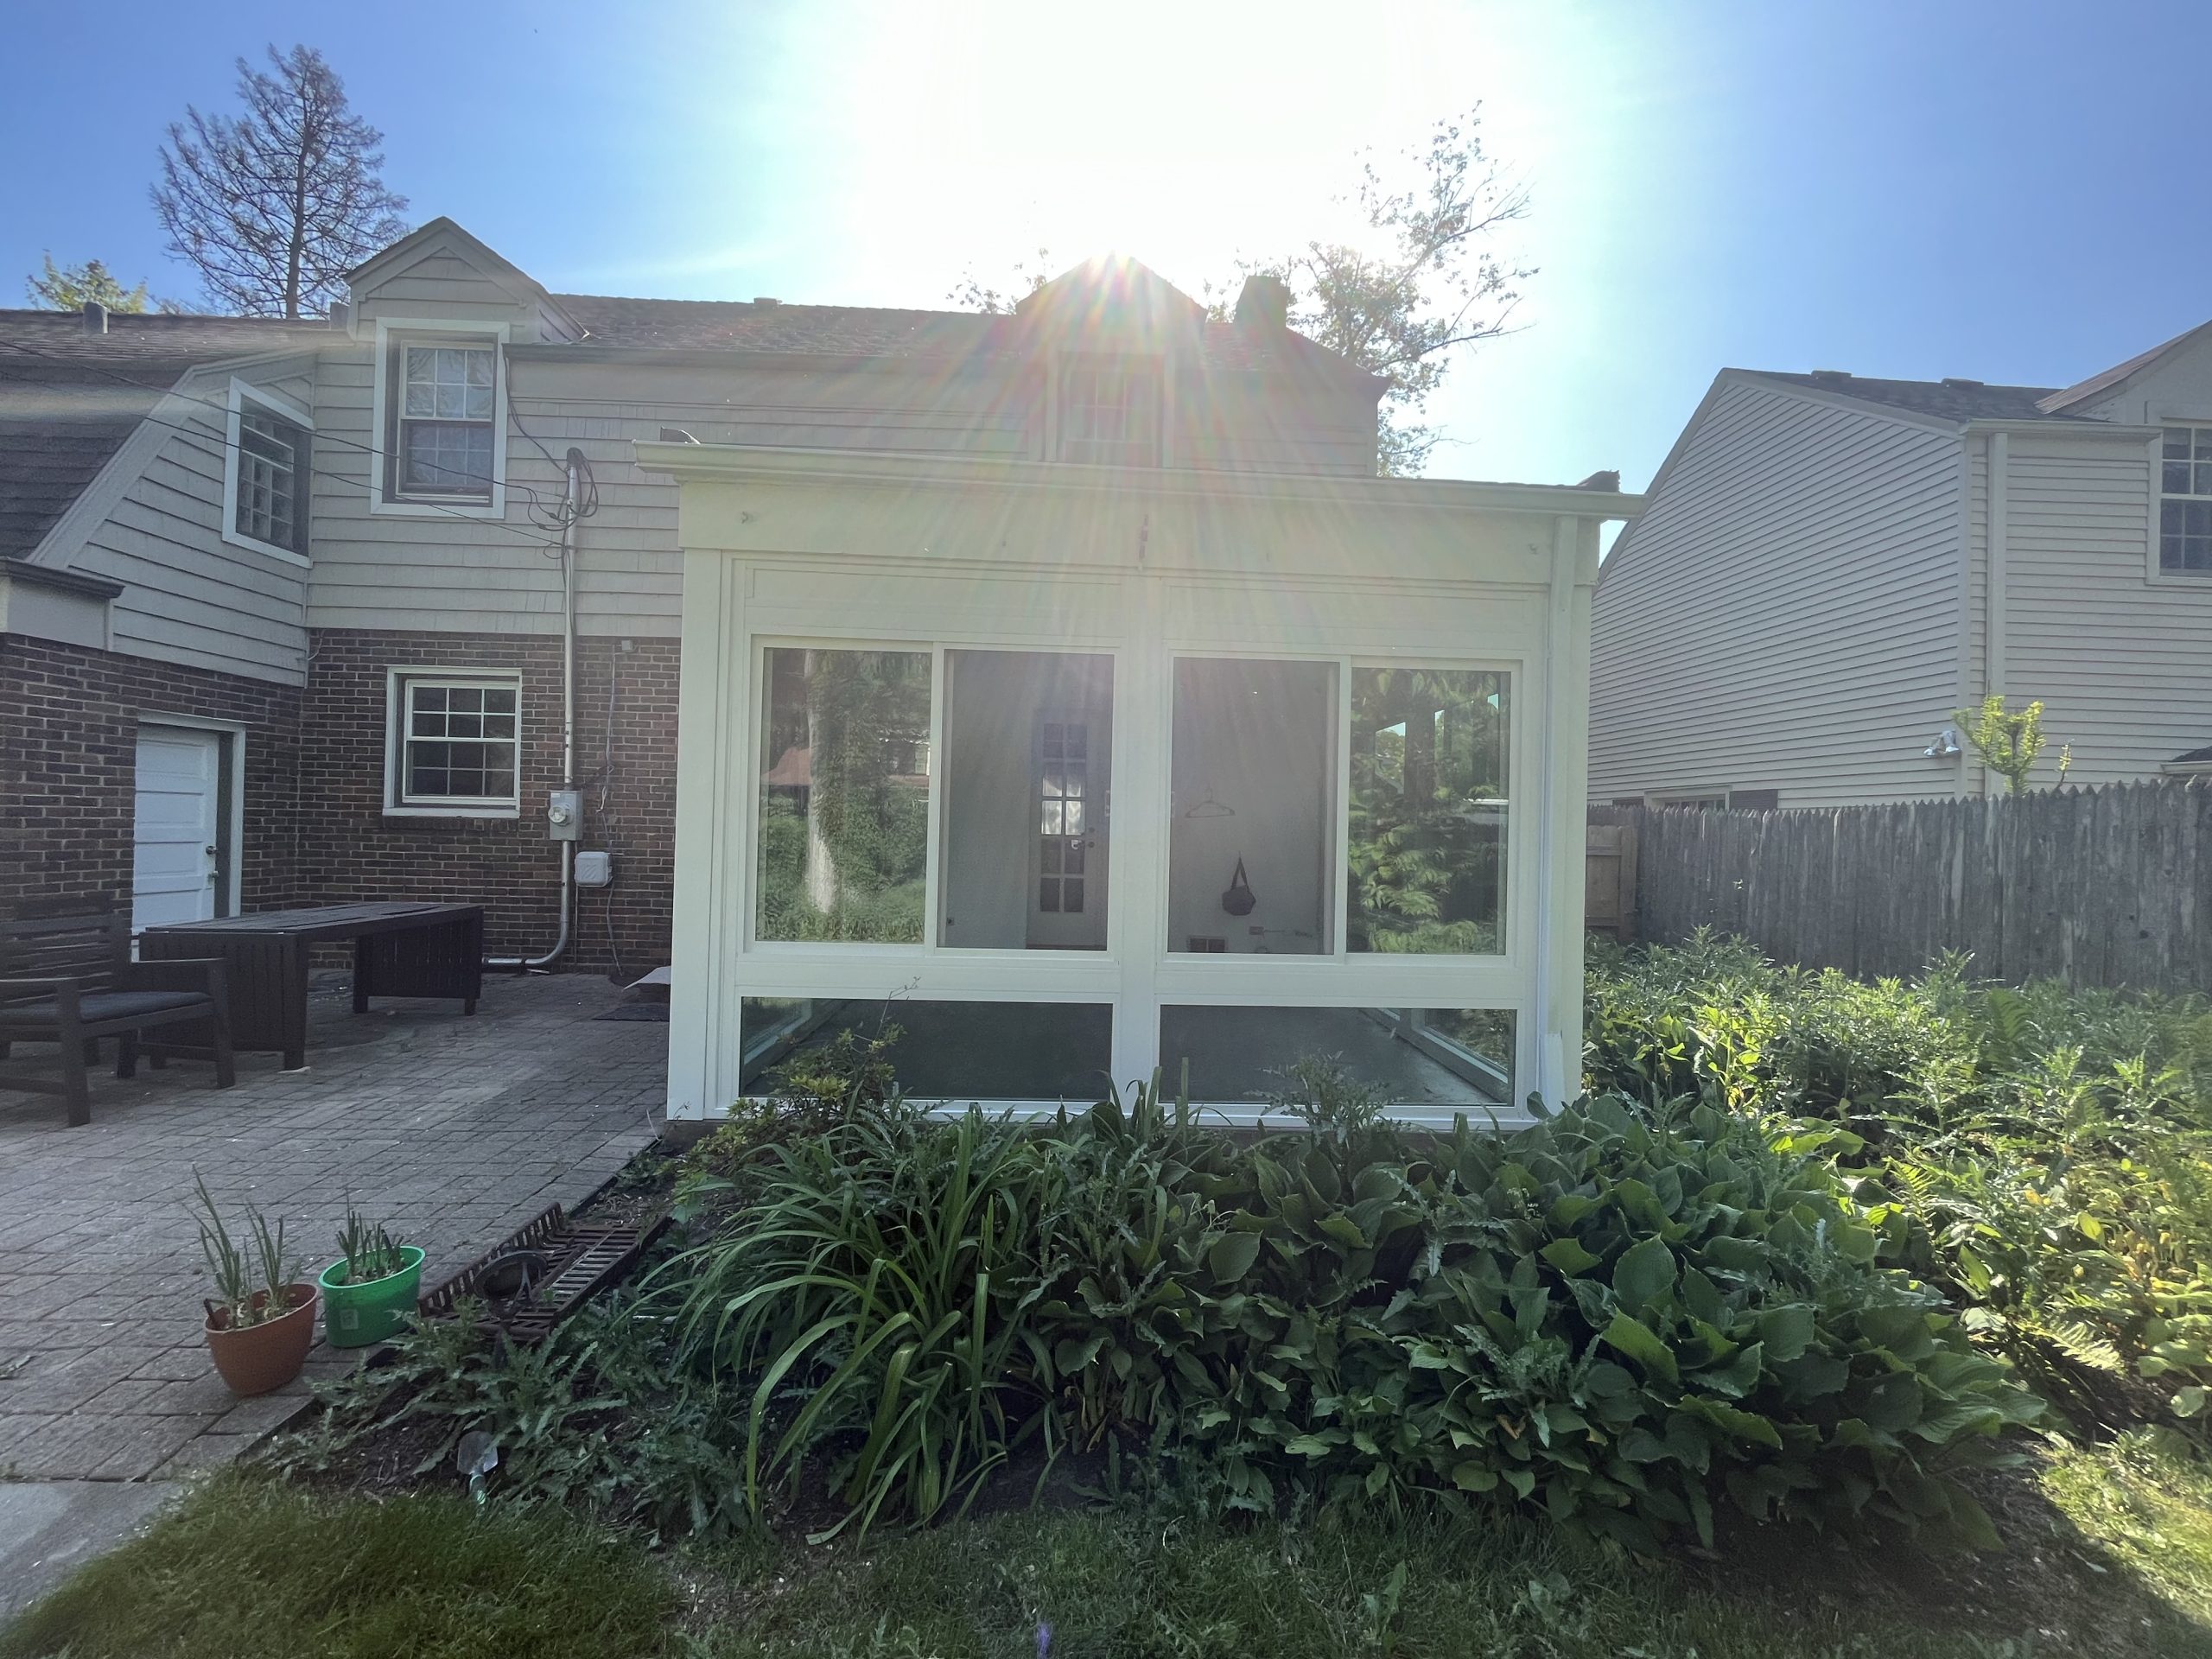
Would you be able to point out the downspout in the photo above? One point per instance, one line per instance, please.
(572, 503)
(1993, 647)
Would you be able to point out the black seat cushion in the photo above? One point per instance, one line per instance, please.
(96, 1006)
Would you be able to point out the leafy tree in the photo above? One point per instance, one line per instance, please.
(2008, 744)
(71, 287)
(1429, 284)
(274, 206)
(1426, 282)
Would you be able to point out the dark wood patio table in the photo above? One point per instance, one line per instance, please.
(401, 948)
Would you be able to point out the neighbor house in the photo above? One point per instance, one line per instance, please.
(1061, 675)
(1831, 567)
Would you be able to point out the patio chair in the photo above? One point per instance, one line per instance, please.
(66, 977)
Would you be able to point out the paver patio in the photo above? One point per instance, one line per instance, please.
(454, 1130)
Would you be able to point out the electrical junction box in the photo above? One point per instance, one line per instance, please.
(595, 870)
(564, 814)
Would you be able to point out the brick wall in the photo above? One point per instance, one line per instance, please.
(69, 764)
(351, 850)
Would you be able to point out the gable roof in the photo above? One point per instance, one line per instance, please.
(1949, 400)
(70, 399)
(2120, 374)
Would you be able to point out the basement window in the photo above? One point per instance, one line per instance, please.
(455, 743)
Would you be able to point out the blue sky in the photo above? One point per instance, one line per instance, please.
(2011, 192)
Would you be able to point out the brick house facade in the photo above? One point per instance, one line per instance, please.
(68, 764)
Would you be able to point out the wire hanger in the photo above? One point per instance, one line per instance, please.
(1209, 807)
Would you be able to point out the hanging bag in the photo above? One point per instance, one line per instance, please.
(1238, 899)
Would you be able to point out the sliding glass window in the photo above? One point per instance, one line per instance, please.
(844, 795)
(1425, 843)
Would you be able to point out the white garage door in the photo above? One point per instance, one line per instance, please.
(180, 794)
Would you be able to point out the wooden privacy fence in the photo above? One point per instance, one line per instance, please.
(2109, 887)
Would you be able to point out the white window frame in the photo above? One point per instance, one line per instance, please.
(1061, 364)
(384, 497)
(398, 680)
(2160, 570)
(241, 393)
(1138, 947)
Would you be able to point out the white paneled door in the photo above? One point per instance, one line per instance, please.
(176, 862)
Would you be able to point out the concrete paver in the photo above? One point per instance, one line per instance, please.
(455, 1129)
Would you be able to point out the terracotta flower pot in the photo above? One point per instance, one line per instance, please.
(265, 1355)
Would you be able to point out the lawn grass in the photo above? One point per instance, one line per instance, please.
(2111, 1556)
(249, 1566)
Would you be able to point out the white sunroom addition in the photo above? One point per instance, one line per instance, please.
(1079, 773)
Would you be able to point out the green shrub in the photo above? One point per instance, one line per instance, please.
(1618, 1317)
(2051, 1149)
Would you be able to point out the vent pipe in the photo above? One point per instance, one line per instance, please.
(95, 317)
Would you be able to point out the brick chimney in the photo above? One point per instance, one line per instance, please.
(95, 317)
(1265, 302)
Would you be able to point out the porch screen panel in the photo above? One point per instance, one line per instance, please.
(844, 829)
(954, 1052)
(1425, 842)
(1429, 1062)
(1250, 844)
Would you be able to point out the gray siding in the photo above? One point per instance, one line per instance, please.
(1786, 614)
(2122, 662)
(189, 596)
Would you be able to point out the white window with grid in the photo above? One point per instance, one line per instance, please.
(446, 406)
(456, 742)
(1109, 411)
(266, 473)
(2185, 501)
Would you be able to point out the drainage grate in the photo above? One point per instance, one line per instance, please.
(580, 1262)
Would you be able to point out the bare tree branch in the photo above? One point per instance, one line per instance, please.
(273, 206)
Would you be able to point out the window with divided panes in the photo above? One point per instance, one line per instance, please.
(459, 744)
(2185, 500)
(1110, 411)
(1062, 791)
(272, 474)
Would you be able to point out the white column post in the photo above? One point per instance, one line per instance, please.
(1138, 886)
(1562, 811)
(705, 747)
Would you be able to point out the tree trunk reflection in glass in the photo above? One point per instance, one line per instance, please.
(1426, 846)
(844, 795)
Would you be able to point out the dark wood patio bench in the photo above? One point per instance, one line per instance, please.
(66, 977)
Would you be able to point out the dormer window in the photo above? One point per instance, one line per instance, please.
(1110, 410)
(441, 411)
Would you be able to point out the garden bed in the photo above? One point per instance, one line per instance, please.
(1664, 1322)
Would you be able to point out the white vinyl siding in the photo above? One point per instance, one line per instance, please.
(2123, 664)
(1785, 616)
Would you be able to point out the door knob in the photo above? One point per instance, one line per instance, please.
(210, 851)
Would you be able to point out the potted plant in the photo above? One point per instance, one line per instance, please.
(368, 1293)
(261, 1318)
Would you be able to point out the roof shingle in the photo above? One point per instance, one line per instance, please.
(1950, 400)
(69, 399)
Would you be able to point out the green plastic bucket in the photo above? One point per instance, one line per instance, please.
(354, 1316)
